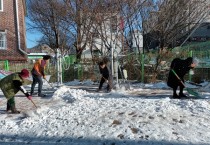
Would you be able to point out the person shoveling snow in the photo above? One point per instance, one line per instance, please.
(178, 70)
(11, 84)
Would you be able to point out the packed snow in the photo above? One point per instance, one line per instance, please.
(132, 114)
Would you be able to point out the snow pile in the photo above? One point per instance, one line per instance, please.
(69, 95)
(87, 82)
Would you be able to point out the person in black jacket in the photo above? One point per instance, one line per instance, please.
(181, 67)
(105, 76)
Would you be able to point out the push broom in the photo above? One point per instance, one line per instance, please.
(190, 91)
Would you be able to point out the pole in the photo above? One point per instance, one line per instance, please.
(142, 56)
(190, 76)
(142, 68)
(116, 71)
(59, 67)
(61, 70)
(112, 59)
(6, 65)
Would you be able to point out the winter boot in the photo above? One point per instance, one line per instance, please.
(181, 95)
(14, 110)
(175, 96)
(98, 90)
(42, 95)
(33, 94)
(108, 90)
(8, 107)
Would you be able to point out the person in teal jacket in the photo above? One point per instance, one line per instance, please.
(12, 84)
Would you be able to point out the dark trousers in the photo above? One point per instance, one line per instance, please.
(11, 103)
(102, 82)
(37, 79)
(181, 90)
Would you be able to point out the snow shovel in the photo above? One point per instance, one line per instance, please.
(190, 91)
(49, 84)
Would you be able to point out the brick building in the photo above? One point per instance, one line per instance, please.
(12, 30)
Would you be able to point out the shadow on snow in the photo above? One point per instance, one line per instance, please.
(20, 140)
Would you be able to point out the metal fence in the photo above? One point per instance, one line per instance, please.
(139, 67)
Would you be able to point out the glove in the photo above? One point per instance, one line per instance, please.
(29, 97)
(44, 77)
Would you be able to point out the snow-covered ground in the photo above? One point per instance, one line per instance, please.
(139, 114)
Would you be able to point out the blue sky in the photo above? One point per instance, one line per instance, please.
(32, 38)
(32, 35)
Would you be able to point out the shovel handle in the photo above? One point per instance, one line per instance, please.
(33, 103)
(107, 80)
(178, 77)
(48, 83)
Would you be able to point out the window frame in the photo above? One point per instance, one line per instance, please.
(1, 5)
(3, 40)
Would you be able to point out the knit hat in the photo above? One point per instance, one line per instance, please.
(46, 57)
(191, 60)
(24, 73)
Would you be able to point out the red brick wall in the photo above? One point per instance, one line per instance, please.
(8, 21)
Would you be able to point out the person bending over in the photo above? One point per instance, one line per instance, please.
(181, 67)
(12, 84)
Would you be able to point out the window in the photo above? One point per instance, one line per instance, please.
(2, 40)
(1, 5)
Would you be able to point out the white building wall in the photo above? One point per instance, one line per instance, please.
(136, 39)
(109, 38)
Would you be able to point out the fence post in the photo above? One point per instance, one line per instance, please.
(142, 68)
(6, 65)
(64, 61)
(191, 55)
(80, 71)
(73, 60)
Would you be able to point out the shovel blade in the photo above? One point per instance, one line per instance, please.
(193, 92)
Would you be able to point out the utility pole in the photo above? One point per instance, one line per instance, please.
(59, 61)
(59, 67)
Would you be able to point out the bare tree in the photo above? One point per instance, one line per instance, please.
(172, 21)
(48, 17)
(81, 13)
(98, 24)
(164, 22)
